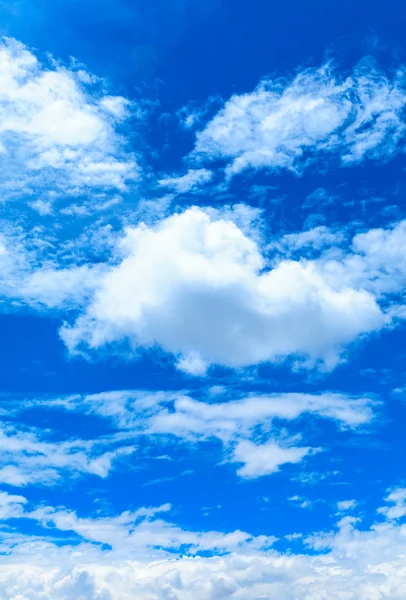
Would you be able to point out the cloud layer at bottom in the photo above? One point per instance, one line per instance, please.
(361, 565)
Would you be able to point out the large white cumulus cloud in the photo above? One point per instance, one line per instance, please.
(200, 289)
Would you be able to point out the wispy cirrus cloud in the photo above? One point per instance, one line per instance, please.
(291, 123)
(35, 456)
(191, 181)
(253, 430)
(131, 532)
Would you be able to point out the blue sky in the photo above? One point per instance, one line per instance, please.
(202, 274)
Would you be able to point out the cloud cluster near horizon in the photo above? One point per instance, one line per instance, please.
(239, 564)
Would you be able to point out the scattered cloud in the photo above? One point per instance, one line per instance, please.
(346, 505)
(265, 459)
(314, 239)
(301, 502)
(252, 430)
(193, 180)
(58, 132)
(132, 532)
(285, 124)
(31, 456)
(397, 505)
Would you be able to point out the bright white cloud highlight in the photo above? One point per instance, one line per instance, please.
(284, 124)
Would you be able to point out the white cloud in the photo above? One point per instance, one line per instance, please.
(375, 263)
(57, 129)
(54, 287)
(351, 562)
(198, 286)
(39, 271)
(265, 459)
(132, 532)
(249, 428)
(345, 505)
(301, 502)
(11, 506)
(194, 179)
(199, 289)
(191, 115)
(193, 364)
(29, 457)
(42, 207)
(373, 260)
(116, 105)
(286, 123)
(226, 420)
(209, 294)
(316, 238)
(378, 261)
(397, 498)
(248, 219)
